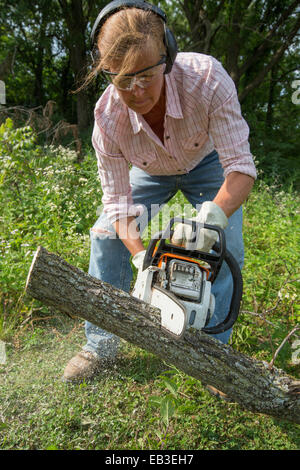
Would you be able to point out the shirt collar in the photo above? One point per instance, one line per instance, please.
(136, 121)
(173, 106)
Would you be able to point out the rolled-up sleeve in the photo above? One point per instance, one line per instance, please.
(227, 127)
(114, 176)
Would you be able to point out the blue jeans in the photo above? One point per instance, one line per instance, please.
(199, 185)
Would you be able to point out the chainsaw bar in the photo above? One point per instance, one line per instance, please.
(173, 312)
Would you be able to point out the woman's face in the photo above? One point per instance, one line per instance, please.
(142, 100)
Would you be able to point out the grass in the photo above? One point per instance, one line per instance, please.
(117, 409)
(140, 402)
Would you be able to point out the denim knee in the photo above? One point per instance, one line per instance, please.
(109, 258)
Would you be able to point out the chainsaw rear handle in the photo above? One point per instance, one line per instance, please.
(236, 297)
(215, 260)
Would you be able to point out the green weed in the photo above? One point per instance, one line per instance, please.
(48, 199)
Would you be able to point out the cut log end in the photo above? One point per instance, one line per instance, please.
(29, 276)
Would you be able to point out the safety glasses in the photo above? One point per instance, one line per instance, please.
(143, 78)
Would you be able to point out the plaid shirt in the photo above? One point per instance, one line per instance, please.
(202, 114)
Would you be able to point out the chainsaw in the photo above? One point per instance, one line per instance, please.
(178, 280)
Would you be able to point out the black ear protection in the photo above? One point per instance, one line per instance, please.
(113, 7)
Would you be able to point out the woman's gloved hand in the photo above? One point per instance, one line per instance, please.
(138, 259)
(210, 213)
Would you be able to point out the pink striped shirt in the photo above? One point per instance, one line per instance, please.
(202, 114)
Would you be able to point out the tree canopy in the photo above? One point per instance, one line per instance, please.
(45, 49)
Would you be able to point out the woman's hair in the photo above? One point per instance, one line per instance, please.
(124, 38)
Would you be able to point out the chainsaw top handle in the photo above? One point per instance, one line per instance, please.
(159, 246)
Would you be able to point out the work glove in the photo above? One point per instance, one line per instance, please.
(210, 213)
(138, 260)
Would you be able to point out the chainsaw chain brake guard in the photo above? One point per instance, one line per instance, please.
(159, 246)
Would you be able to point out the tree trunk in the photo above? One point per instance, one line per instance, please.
(76, 22)
(7, 65)
(271, 100)
(245, 380)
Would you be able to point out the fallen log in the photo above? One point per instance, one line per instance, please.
(247, 381)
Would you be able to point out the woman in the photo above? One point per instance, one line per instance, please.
(176, 121)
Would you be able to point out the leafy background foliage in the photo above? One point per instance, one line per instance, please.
(141, 402)
(45, 48)
(50, 195)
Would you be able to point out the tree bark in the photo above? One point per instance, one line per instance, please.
(247, 381)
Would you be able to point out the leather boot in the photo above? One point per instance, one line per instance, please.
(82, 366)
